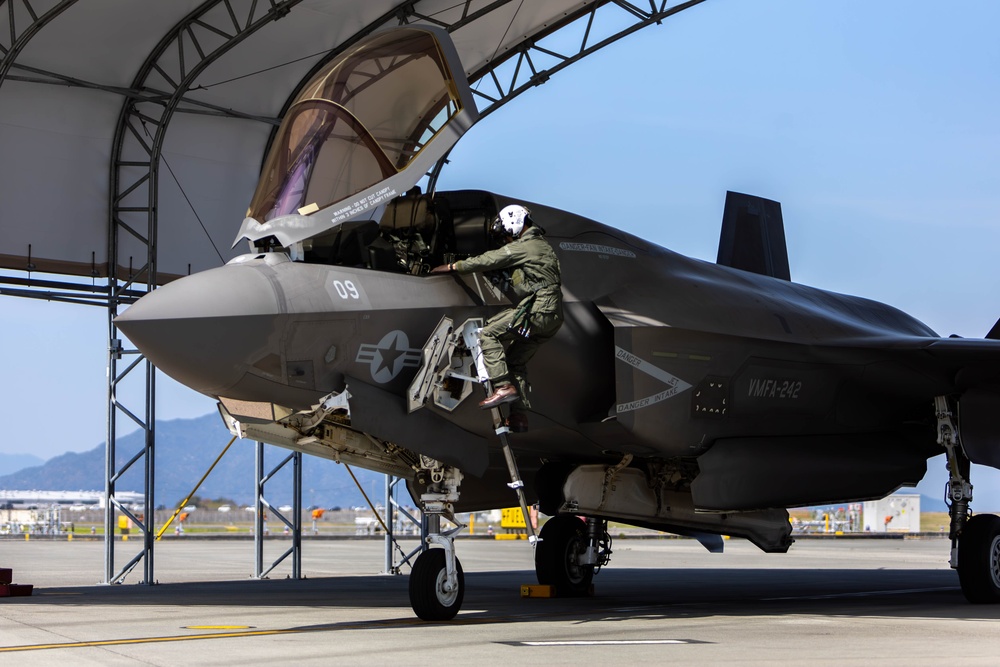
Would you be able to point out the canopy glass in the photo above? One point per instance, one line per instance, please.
(359, 121)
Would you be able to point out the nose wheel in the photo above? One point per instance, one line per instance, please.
(434, 595)
(437, 583)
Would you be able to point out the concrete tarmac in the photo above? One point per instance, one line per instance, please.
(886, 602)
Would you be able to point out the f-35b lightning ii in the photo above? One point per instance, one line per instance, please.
(695, 398)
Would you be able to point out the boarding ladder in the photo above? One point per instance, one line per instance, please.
(452, 362)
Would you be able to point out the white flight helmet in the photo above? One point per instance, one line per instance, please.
(512, 219)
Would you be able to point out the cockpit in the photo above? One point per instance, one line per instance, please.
(338, 184)
(415, 233)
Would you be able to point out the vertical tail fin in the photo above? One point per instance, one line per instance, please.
(753, 236)
(994, 333)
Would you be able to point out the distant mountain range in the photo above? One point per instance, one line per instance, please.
(185, 448)
(11, 463)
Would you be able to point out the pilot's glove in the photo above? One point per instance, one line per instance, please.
(444, 268)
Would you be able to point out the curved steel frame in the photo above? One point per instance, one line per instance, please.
(517, 82)
(181, 56)
(193, 44)
(19, 41)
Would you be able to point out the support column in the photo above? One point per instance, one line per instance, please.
(297, 515)
(389, 528)
(259, 521)
(145, 419)
(261, 506)
(176, 63)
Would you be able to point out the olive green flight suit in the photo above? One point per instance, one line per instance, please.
(536, 281)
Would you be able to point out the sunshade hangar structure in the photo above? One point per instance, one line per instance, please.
(132, 135)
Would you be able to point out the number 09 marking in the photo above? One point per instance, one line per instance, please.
(346, 289)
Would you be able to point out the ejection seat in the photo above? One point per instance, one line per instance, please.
(407, 235)
(347, 245)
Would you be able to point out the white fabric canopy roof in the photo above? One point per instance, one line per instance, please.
(70, 66)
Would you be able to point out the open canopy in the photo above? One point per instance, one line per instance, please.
(369, 123)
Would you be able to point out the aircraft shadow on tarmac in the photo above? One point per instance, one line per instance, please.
(622, 593)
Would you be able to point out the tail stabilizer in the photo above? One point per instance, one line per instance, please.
(994, 333)
(753, 236)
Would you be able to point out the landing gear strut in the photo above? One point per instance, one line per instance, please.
(569, 553)
(975, 540)
(437, 583)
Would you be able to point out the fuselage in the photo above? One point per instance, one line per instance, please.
(748, 353)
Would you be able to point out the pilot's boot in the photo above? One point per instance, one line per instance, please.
(505, 393)
(517, 422)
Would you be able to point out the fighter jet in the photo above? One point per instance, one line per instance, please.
(689, 397)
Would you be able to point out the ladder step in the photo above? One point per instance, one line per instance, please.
(518, 486)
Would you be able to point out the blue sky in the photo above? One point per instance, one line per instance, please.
(874, 123)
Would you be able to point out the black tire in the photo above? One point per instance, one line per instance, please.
(562, 539)
(428, 600)
(979, 559)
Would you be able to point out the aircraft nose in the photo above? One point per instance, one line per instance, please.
(205, 329)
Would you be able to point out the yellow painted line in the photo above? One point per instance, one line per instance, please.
(349, 625)
(146, 640)
(353, 625)
(218, 627)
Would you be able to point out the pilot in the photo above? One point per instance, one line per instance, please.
(535, 280)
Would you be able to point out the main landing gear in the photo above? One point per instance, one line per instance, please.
(570, 552)
(979, 559)
(975, 540)
(437, 583)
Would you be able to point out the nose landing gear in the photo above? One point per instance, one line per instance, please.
(437, 583)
